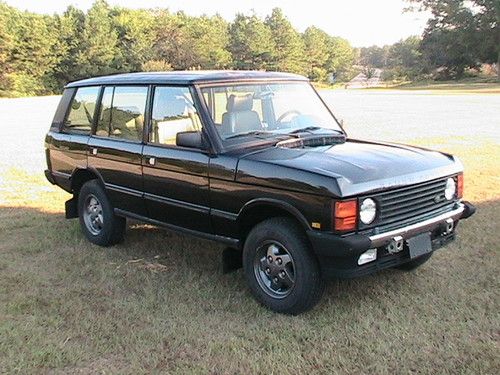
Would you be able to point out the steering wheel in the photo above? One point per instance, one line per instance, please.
(288, 113)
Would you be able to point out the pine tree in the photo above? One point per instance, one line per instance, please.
(99, 51)
(288, 54)
(251, 43)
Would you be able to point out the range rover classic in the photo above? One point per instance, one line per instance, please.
(255, 161)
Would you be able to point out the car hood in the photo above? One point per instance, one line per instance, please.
(361, 166)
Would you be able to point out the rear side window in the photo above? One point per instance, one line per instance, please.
(122, 112)
(81, 111)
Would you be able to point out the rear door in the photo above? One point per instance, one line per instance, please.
(175, 178)
(115, 148)
(68, 140)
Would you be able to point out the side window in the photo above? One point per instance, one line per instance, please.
(122, 112)
(173, 112)
(81, 111)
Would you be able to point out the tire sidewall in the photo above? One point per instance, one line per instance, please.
(306, 269)
(104, 236)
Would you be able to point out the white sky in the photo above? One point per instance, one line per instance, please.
(362, 22)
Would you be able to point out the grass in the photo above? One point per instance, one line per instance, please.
(159, 302)
(473, 85)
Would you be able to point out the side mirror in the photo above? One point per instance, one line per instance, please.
(190, 139)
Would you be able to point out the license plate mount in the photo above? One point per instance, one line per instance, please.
(419, 245)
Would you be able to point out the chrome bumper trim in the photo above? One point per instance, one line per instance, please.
(382, 239)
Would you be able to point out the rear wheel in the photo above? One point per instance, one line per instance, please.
(97, 219)
(281, 270)
(415, 263)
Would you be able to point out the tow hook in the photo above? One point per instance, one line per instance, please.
(396, 245)
(448, 226)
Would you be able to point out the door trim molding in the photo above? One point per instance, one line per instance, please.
(229, 241)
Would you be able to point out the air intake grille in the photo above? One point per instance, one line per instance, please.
(413, 202)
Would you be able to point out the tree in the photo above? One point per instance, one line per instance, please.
(374, 56)
(317, 52)
(170, 40)
(460, 34)
(288, 53)
(135, 36)
(69, 43)
(6, 44)
(31, 57)
(209, 39)
(326, 54)
(341, 56)
(251, 43)
(405, 53)
(99, 52)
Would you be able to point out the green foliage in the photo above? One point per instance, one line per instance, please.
(374, 56)
(251, 43)
(99, 53)
(40, 54)
(191, 42)
(288, 53)
(156, 66)
(460, 34)
(317, 53)
(135, 37)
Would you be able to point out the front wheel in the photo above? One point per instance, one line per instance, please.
(280, 268)
(97, 219)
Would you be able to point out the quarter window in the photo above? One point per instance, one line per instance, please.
(173, 112)
(81, 111)
(122, 112)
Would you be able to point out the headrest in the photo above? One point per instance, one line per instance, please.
(239, 103)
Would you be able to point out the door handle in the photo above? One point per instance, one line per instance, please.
(94, 151)
(151, 161)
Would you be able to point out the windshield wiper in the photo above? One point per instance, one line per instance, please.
(252, 132)
(308, 129)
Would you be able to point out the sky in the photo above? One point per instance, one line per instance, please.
(362, 22)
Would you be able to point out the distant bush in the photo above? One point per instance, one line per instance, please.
(156, 66)
(399, 74)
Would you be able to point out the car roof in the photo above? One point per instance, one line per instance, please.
(187, 77)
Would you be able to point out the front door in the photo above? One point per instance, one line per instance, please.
(175, 178)
(115, 149)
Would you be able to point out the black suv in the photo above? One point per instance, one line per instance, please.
(256, 161)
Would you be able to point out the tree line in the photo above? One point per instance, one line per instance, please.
(39, 54)
(459, 37)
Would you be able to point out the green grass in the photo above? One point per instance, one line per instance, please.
(159, 302)
(488, 85)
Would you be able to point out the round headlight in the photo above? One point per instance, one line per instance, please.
(368, 211)
(450, 190)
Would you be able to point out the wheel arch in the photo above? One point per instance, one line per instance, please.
(81, 176)
(258, 210)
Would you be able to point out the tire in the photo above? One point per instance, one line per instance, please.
(97, 219)
(415, 263)
(299, 283)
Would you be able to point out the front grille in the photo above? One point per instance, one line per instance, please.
(410, 203)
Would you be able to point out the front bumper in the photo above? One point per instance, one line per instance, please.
(338, 255)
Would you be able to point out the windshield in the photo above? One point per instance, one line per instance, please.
(243, 112)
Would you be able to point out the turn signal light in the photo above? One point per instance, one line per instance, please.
(460, 185)
(345, 215)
